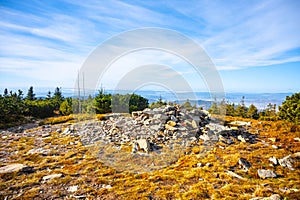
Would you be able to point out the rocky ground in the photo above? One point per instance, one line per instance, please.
(163, 153)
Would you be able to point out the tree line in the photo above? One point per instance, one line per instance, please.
(15, 105)
(289, 110)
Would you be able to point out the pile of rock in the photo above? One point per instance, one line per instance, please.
(165, 125)
(147, 129)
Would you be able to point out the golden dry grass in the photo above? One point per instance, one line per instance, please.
(183, 179)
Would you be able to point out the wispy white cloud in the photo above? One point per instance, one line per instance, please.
(236, 35)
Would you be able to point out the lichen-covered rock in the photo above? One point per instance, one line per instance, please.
(52, 176)
(286, 162)
(15, 168)
(263, 173)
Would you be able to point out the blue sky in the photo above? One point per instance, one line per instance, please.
(255, 45)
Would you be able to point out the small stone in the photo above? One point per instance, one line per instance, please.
(173, 118)
(241, 138)
(135, 147)
(297, 139)
(143, 144)
(204, 137)
(262, 173)
(286, 162)
(106, 186)
(66, 131)
(273, 139)
(208, 165)
(194, 124)
(244, 164)
(73, 188)
(44, 135)
(50, 177)
(42, 151)
(79, 196)
(273, 160)
(136, 114)
(199, 165)
(275, 197)
(13, 168)
(274, 146)
(230, 141)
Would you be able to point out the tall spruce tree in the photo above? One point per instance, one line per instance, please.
(30, 95)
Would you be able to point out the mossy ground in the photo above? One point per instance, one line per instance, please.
(182, 179)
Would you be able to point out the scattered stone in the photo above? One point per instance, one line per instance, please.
(204, 137)
(274, 146)
(273, 160)
(16, 168)
(199, 165)
(263, 173)
(241, 138)
(50, 177)
(42, 151)
(194, 124)
(174, 118)
(244, 164)
(208, 165)
(106, 186)
(79, 196)
(73, 188)
(286, 162)
(297, 139)
(231, 173)
(44, 135)
(135, 147)
(66, 131)
(275, 197)
(143, 144)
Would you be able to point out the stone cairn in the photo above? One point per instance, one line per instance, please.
(148, 129)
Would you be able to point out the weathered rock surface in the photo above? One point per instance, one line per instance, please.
(263, 173)
(273, 160)
(244, 164)
(141, 144)
(50, 177)
(286, 162)
(166, 125)
(15, 168)
(42, 151)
